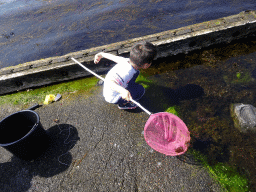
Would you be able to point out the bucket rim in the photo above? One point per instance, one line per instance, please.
(36, 124)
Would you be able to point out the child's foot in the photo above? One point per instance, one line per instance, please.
(127, 106)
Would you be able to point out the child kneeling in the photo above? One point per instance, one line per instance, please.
(119, 84)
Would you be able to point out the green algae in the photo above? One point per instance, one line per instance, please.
(242, 78)
(174, 110)
(25, 98)
(143, 80)
(227, 176)
(238, 75)
(238, 78)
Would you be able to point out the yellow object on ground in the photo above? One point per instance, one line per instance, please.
(49, 98)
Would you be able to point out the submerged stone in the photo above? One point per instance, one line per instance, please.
(244, 116)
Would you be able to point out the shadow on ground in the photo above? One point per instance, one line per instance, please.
(17, 174)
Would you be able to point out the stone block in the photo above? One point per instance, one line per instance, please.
(200, 26)
(7, 70)
(233, 19)
(40, 63)
(183, 31)
(60, 59)
(22, 67)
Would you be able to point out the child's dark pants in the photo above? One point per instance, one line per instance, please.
(136, 90)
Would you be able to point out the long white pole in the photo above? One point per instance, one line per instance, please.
(87, 69)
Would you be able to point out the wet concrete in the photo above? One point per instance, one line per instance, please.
(97, 147)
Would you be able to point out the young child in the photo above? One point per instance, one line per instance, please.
(119, 84)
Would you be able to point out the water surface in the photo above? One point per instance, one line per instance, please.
(32, 30)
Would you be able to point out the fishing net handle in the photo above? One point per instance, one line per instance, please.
(87, 69)
(138, 104)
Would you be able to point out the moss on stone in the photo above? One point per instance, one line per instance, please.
(25, 98)
(227, 176)
(242, 78)
(174, 110)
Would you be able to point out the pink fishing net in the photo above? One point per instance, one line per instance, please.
(167, 134)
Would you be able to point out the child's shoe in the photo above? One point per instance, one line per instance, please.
(127, 106)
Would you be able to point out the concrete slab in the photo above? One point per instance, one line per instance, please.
(97, 147)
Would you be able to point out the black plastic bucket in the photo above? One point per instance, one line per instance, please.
(23, 135)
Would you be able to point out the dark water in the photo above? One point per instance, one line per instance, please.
(35, 29)
(203, 85)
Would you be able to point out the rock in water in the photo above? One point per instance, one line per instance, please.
(244, 116)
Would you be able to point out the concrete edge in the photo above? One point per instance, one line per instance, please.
(172, 42)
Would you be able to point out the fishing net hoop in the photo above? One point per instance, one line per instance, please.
(167, 134)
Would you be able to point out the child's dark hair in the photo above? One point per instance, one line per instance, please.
(142, 53)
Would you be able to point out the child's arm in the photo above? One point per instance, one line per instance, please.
(125, 94)
(108, 56)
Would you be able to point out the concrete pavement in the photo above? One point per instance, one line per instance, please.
(97, 147)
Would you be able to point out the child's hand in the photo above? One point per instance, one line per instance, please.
(125, 94)
(97, 58)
